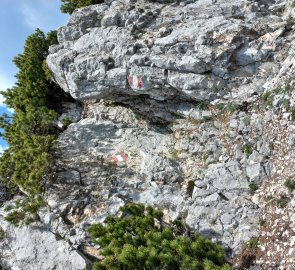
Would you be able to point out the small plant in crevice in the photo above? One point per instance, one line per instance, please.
(290, 184)
(247, 255)
(220, 106)
(173, 155)
(253, 187)
(66, 122)
(201, 105)
(246, 120)
(2, 234)
(253, 244)
(267, 99)
(261, 222)
(286, 104)
(247, 149)
(213, 221)
(282, 201)
(292, 112)
(232, 107)
(178, 115)
(269, 198)
(271, 146)
(24, 211)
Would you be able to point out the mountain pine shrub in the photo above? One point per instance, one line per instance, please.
(139, 239)
(68, 6)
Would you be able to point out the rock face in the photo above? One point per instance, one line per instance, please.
(190, 49)
(36, 247)
(184, 105)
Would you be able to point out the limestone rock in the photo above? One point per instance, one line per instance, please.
(36, 247)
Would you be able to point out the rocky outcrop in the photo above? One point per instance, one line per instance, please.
(184, 107)
(36, 247)
(197, 49)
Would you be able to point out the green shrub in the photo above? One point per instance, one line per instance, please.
(68, 6)
(25, 211)
(66, 122)
(139, 239)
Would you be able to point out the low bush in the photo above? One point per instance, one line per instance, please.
(139, 239)
(68, 6)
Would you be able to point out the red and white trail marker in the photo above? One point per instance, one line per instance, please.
(120, 158)
(135, 82)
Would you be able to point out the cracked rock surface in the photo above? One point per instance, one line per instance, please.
(188, 107)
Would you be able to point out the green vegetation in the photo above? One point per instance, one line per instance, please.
(269, 198)
(232, 107)
(66, 122)
(261, 222)
(30, 132)
(24, 211)
(247, 149)
(292, 111)
(290, 184)
(267, 98)
(253, 244)
(293, 4)
(68, 6)
(246, 120)
(220, 106)
(253, 187)
(2, 233)
(178, 115)
(139, 239)
(282, 201)
(173, 155)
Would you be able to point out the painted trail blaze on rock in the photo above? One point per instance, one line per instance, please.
(120, 159)
(135, 82)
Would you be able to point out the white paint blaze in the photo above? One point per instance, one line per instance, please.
(120, 158)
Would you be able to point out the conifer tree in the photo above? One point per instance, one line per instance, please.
(30, 132)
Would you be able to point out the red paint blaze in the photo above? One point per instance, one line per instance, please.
(124, 156)
(130, 80)
(139, 82)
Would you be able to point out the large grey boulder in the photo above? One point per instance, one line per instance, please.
(194, 47)
(36, 247)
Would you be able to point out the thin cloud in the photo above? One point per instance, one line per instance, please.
(42, 14)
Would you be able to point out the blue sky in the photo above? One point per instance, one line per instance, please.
(19, 19)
